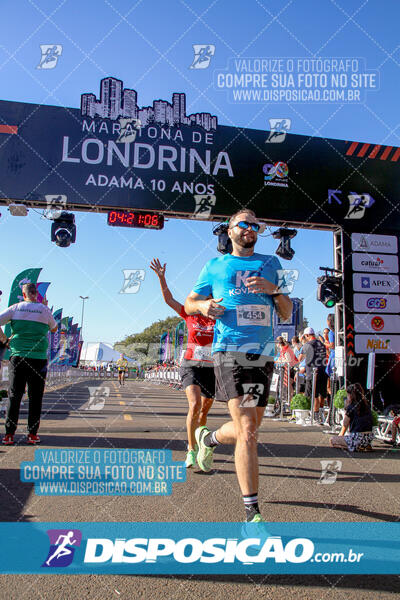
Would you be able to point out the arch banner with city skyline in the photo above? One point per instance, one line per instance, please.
(114, 153)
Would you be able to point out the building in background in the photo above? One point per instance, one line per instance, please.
(287, 329)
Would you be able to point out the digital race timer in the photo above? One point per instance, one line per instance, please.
(142, 219)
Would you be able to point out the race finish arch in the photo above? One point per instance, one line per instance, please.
(113, 154)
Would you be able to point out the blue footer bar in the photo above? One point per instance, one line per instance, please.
(195, 548)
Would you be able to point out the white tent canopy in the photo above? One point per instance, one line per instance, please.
(99, 352)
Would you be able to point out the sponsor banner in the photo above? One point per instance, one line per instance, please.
(389, 284)
(195, 548)
(375, 263)
(376, 303)
(377, 323)
(179, 337)
(368, 242)
(382, 344)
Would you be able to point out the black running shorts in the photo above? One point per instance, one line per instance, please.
(320, 387)
(203, 376)
(238, 374)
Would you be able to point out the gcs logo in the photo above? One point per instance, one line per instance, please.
(376, 303)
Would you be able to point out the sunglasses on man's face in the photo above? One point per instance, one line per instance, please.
(245, 225)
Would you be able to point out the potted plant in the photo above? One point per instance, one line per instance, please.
(340, 399)
(339, 402)
(301, 406)
(269, 409)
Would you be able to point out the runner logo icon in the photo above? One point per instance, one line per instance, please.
(202, 55)
(204, 205)
(62, 547)
(50, 55)
(329, 471)
(358, 203)
(286, 280)
(252, 393)
(278, 130)
(132, 281)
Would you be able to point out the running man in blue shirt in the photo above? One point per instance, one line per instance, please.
(245, 291)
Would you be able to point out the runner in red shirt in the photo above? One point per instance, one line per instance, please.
(197, 372)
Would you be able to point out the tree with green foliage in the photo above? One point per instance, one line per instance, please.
(144, 346)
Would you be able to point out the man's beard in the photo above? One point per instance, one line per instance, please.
(243, 243)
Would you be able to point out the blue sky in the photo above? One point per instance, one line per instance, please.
(149, 46)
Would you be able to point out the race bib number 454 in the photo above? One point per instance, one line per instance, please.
(253, 314)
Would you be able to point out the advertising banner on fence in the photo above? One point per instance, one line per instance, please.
(55, 337)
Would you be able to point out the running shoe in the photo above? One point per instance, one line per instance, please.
(257, 519)
(8, 439)
(191, 458)
(255, 528)
(33, 439)
(205, 453)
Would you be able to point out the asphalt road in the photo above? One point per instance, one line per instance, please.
(143, 415)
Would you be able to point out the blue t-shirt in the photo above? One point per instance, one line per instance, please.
(247, 323)
(331, 360)
(302, 363)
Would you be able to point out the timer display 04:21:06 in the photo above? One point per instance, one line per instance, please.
(143, 220)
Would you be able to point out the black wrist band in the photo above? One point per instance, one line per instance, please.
(277, 294)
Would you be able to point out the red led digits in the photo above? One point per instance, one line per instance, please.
(140, 219)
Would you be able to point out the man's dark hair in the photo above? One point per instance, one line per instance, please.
(29, 288)
(331, 321)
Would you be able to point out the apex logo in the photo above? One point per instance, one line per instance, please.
(365, 282)
(62, 547)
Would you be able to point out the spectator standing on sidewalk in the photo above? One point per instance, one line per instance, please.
(30, 323)
(314, 353)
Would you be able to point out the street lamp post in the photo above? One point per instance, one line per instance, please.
(83, 308)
